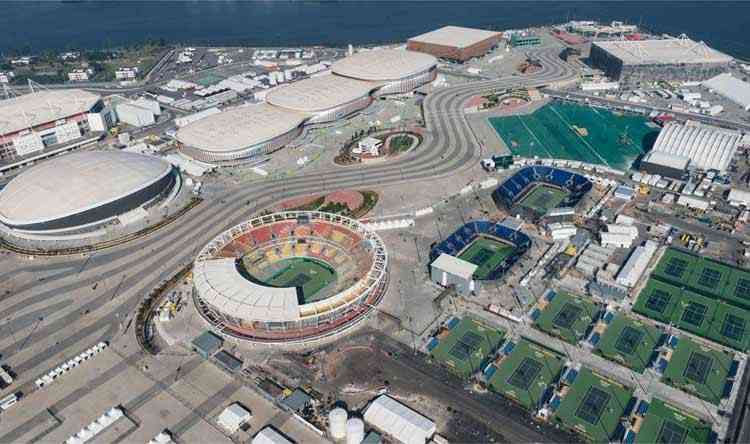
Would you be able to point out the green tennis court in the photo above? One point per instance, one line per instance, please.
(526, 373)
(487, 254)
(666, 423)
(308, 274)
(699, 370)
(543, 198)
(628, 342)
(563, 130)
(593, 406)
(566, 317)
(466, 346)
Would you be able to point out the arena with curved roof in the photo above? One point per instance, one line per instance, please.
(240, 132)
(81, 192)
(293, 277)
(250, 131)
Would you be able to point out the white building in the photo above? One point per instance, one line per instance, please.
(368, 145)
(269, 435)
(636, 264)
(692, 202)
(232, 417)
(135, 114)
(129, 73)
(706, 147)
(6, 76)
(560, 231)
(600, 86)
(79, 75)
(399, 421)
(448, 270)
(739, 198)
(616, 240)
(731, 88)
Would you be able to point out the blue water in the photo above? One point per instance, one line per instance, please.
(34, 26)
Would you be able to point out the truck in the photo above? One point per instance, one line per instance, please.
(497, 161)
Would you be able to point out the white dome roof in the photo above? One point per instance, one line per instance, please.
(76, 182)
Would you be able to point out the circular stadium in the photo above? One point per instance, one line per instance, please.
(296, 277)
(81, 194)
(240, 134)
(534, 191)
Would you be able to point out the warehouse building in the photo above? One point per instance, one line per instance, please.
(694, 146)
(633, 61)
(636, 264)
(455, 43)
(664, 164)
(32, 123)
(731, 88)
(739, 198)
(448, 271)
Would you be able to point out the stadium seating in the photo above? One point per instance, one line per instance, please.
(468, 232)
(509, 192)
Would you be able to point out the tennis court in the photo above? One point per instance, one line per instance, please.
(566, 317)
(629, 342)
(526, 373)
(467, 346)
(665, 423)
(563, 130)
(699, 295)
(543, 198)
(699, 370)
(308, 274)
(487, 254)
(593, 406)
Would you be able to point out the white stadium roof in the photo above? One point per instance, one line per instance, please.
(384, 64)
(664, 51)
(399, 421)
(29, 110)
(455, 36)
(707, 147)
(731, 88)
(239, 128)
(320, 93)
(69, 184)
(220, 284)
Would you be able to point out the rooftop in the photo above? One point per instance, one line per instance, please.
(239, 128)
(455, 36)
(731, 88)
(384, 64)
(454, 265)
(70, 184)
(41, 107)
(664, 51)
(221, 285)
(320, 93)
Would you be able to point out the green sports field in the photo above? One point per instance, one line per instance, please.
(665, 423)
(308, 274)
(526, 373)
(543, 198)
(615, 140)
(699, 370)
(566, 317)
(593, 406)
(486, 254)
(699, 295)
(628, 342)
(466, 347)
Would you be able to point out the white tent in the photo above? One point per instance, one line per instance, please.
(399, 421)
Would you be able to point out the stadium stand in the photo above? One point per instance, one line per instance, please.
(510, 193)
(465, 235)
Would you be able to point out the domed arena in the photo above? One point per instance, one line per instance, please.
(295, 277)
(85, 194)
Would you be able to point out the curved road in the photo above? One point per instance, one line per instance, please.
(98, 294)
